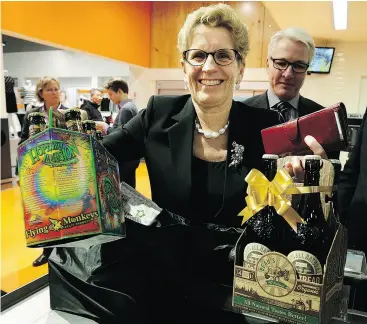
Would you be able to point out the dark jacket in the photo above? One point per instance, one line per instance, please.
(352, 192)
(305, 107)
(92, 110)
(163, 134)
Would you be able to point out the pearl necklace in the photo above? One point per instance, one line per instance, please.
(209, 134)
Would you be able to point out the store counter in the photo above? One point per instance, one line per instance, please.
(36, 310)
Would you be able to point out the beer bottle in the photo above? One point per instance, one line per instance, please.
(89, 127)
(73, 120)
(264, 230)
(37, 123)
(313, 237)
(99, 136)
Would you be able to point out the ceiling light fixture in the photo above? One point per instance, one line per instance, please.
(340, 9)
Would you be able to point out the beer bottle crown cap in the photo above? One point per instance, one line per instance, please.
(271, 156)
(312, 157)
(335, 161)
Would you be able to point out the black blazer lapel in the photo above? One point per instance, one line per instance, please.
(238, 148)
(180, 137)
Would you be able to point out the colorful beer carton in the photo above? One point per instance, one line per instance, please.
(70, 190)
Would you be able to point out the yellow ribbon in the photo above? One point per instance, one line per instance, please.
(261, 192)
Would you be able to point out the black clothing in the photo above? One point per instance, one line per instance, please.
(92, 110)
(11, 101)
(163, 134)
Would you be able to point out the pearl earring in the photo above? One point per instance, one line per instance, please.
(185, 84)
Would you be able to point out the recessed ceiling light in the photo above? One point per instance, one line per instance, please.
(340, 10)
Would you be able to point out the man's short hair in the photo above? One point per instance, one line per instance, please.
(295, 34)
(93, 90)
(116, 84)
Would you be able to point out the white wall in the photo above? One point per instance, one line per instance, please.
(62, 64)
(345, 82)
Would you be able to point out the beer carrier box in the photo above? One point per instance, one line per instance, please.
(268, 284)
(70, 190)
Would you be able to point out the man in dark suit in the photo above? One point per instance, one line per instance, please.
(290, 52)
(352, 198)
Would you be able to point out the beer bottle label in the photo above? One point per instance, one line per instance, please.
(252, 253)
(305, 263)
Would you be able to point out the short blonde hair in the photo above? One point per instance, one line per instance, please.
(220, 15)
(43, 83)
(295, 34)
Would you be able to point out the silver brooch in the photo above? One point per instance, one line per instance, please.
(237, 154)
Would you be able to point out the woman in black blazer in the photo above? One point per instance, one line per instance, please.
(198, 149)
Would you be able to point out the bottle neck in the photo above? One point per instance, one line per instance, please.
(312, 178)
(270, 169)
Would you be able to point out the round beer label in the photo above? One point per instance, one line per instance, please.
(275, 274)
(305, 263)
(253, 252)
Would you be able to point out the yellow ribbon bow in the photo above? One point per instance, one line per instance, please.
(261, 192)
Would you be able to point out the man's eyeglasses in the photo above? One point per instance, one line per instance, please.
(222, 57)
(282, 65)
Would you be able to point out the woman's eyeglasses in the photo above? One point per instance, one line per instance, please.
(222, 57)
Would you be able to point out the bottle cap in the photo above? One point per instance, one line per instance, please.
(335, 161)
(35, 114)
(312, 157)
(271, 156)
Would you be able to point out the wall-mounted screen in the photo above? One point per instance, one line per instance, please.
(322, 60)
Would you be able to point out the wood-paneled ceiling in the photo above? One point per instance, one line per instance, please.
(317, 18)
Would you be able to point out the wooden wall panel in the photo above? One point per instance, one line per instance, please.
(168, 18)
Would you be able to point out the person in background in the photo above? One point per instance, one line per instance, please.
(352, 199)
(48, 94)
(290, 52)
(352, 192)
(118, 91)
(64, 99)
(91, 106)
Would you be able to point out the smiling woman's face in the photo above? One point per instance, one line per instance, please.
(211, 84)
(287, 84)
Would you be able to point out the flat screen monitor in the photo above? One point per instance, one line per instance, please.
(322, 60)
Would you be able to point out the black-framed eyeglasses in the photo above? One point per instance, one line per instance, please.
(223, 57)
(282, 65)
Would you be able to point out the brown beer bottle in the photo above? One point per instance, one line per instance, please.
(264, 231)
(313, 237)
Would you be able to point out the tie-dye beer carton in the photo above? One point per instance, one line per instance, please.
(70, 190)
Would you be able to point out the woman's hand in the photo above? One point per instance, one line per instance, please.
(295, 168)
